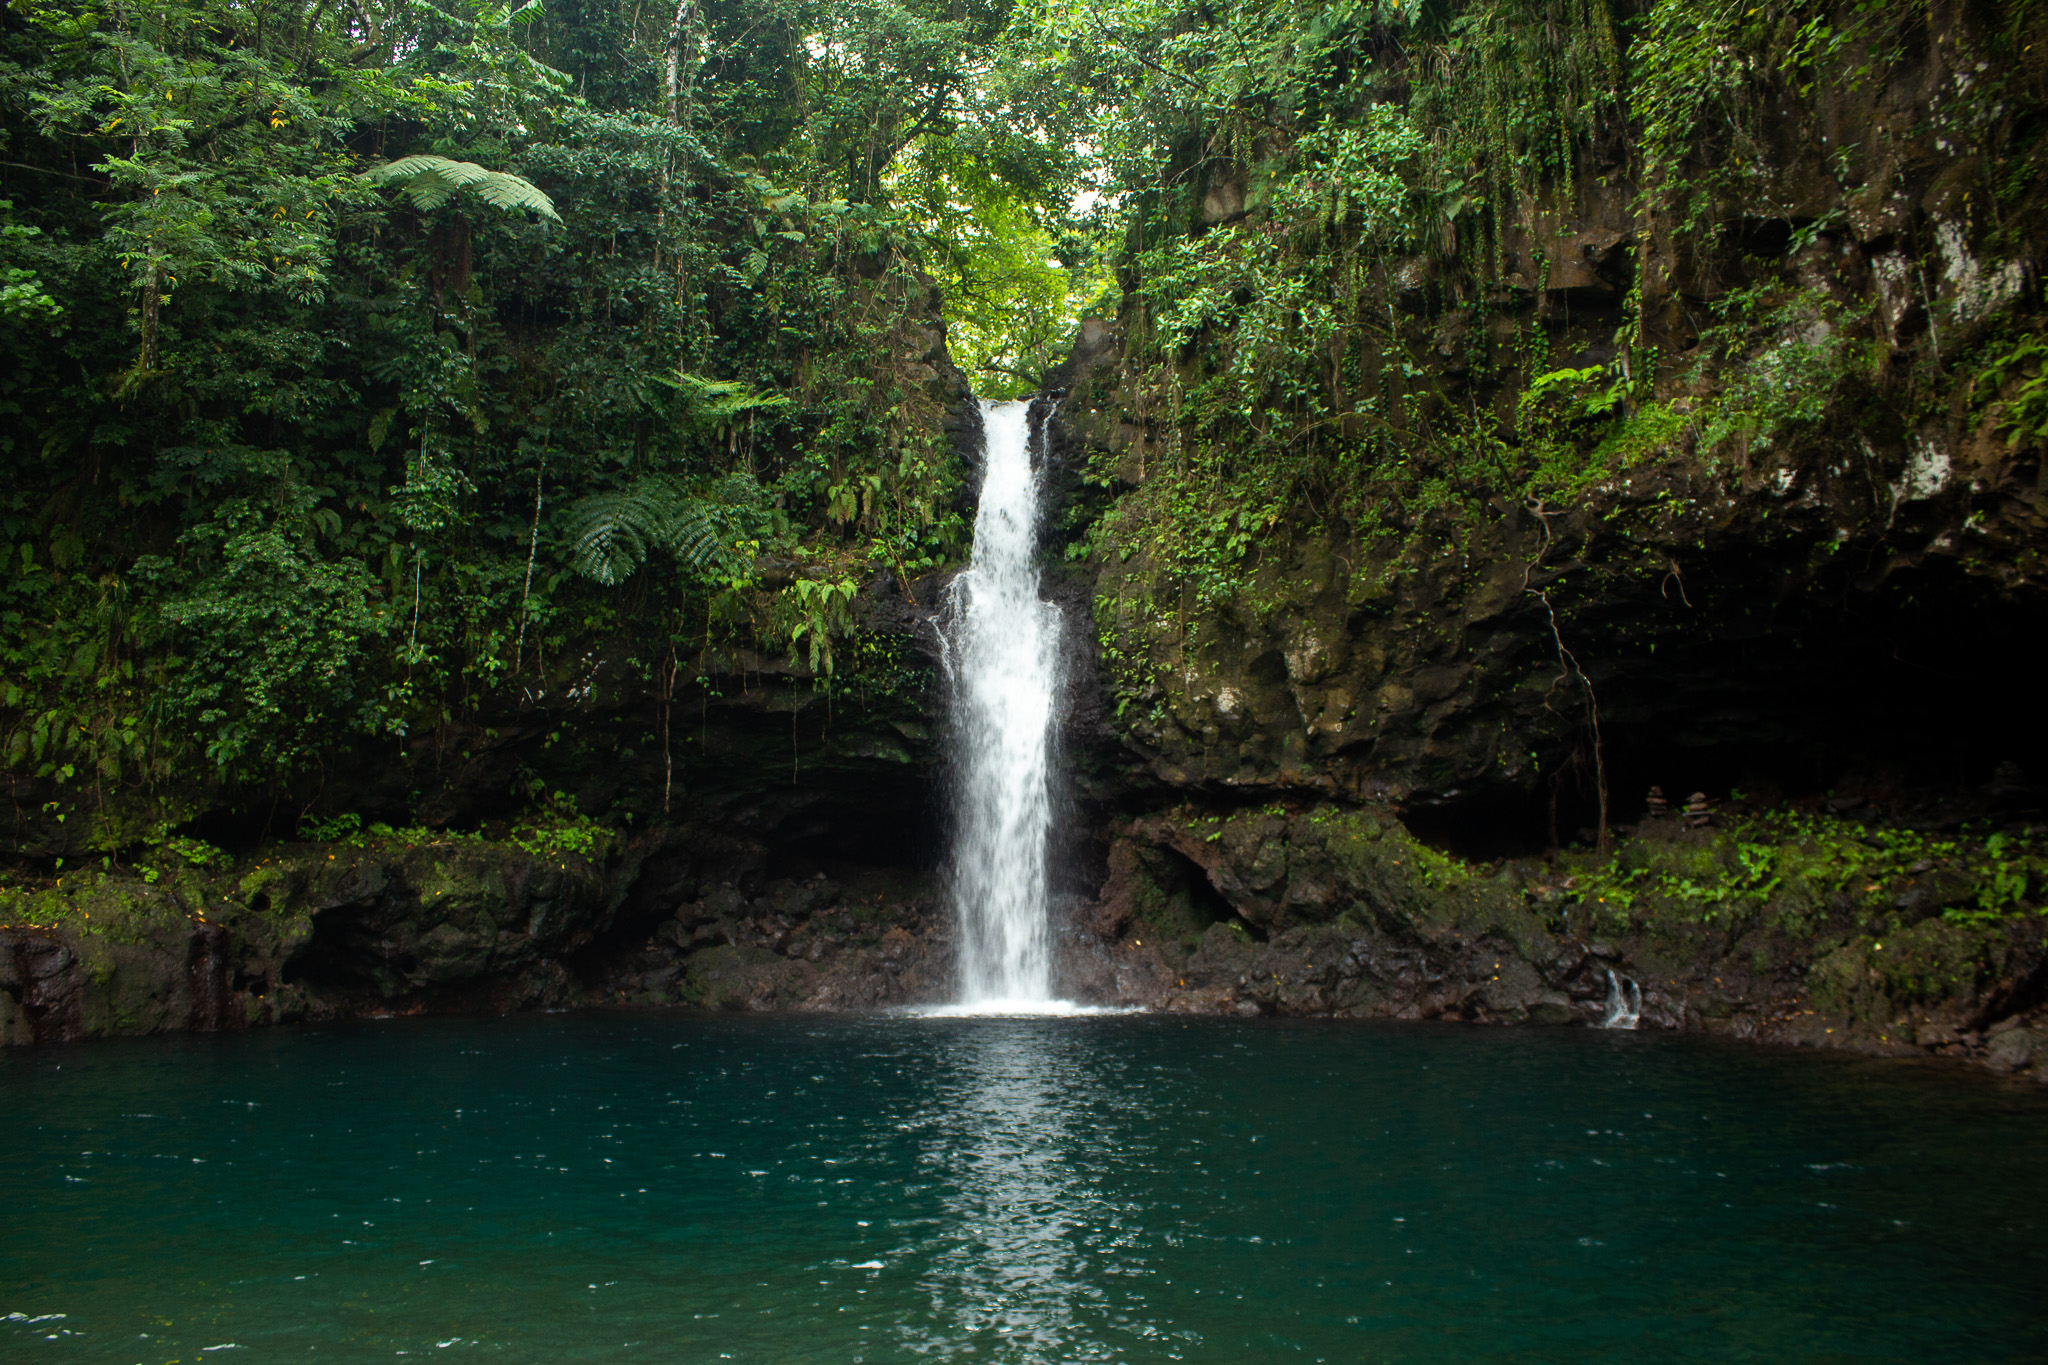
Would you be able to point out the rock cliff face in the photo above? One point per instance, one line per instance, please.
(1834, 603)
(1326, 909)
(1808, 933)
(418, 921)
(1804, 566)
(1801, 550)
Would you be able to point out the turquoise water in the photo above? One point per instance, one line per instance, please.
(669, 1188)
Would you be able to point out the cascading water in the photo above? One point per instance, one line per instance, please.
(1624, 1002)
(1002, 655)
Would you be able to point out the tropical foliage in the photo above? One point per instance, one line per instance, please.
(359, 360)
(359, 364)
(1340, 228)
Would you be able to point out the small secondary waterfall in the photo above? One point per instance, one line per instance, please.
(1002, 655)
(1624, 1002)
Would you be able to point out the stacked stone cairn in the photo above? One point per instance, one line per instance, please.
(1699, 812)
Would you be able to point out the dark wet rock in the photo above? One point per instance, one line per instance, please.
(438, 923)
(1314, 908)
(1323, 909)
(1327, 911)
(2018, 1049)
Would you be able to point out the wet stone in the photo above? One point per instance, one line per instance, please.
(2017, 1049)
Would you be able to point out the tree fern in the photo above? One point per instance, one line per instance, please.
(612, 534)
(715, 404)
(431, 181)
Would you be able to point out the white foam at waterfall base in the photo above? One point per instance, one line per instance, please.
(1002, 658)
(1016, 1009)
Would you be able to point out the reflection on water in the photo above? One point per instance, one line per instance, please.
(1026, 1239)
(1019, 1191)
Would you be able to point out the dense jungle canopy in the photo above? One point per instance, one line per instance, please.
(365, 360)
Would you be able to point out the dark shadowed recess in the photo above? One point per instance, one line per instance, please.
(815, 778)
(1914, 701)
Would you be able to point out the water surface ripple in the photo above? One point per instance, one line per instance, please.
(670, 1188)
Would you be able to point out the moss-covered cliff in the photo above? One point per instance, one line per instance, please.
(1743, 466)
(1699, 448)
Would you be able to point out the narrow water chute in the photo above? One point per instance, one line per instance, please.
(1002, 656)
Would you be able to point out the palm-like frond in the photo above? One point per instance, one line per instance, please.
(714, 404)
(431, 181)
(612, 534)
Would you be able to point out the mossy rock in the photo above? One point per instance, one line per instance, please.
(731, 978)
(1934, 967)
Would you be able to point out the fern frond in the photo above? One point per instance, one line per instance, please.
(612, 534)
(431, 181)
(607, 546)
(713, 404)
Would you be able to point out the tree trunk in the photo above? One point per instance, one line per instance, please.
(678, 80)
(152, 302)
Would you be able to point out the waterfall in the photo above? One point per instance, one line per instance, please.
(1002, 658)
(1624, 1002)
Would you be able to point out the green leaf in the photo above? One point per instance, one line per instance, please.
(431, 181)
(614, 533)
